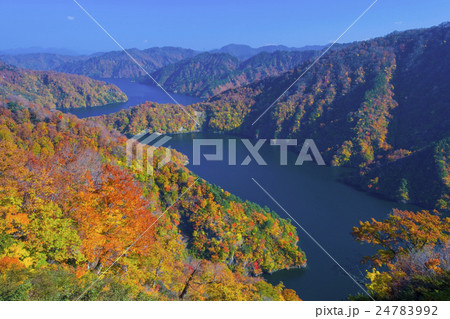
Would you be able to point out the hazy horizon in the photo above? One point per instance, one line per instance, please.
(67, 51)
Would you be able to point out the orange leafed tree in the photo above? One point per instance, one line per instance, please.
(112, 214)
(402, 232)
(415, 249)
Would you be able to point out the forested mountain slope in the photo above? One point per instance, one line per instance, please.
(366, 106)
(161, 118)
(208, 74)
(70, 206)
(381, 106)
(57, 90)
(197, 76)
(178, 70)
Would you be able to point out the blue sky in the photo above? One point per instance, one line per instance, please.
(207, 24)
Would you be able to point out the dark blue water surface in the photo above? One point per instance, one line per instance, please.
(137, 93)
(326, 208)
(311, 194)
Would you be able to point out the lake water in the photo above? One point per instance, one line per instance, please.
(137, 93)
(326, 208)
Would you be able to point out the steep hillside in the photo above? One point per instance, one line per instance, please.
(197, 76)
(117, 64)
(57, 90)
(208, 74)
(380, 106)
(161, 118)
(69, 207)
(364, 105)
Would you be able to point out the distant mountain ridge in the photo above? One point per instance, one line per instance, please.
(244, 52)
(201, 74)
(116, 64)
(40, 61)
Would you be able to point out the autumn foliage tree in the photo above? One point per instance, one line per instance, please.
(415, 249)
(111, 213)
(77, 223)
